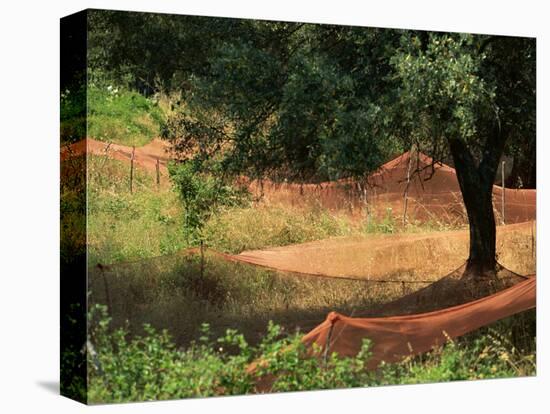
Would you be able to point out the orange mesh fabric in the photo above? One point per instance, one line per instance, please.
(431, 194)
(379, 256)
(396, 337)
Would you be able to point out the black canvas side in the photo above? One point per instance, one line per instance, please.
(73, 306)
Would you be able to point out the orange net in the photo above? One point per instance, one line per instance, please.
(421, 256)
(454, 305)
(145, 156)
(396, 337)
(406, 186)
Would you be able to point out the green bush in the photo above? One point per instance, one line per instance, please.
(201, 194)
(150, 367)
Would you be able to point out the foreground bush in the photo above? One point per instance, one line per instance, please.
(150, 367)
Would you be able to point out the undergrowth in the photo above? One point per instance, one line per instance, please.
(125, 368)
(170, 293)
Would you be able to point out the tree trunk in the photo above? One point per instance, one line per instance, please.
(476, 185)
(482, 257)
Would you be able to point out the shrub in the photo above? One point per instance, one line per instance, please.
(201, 194)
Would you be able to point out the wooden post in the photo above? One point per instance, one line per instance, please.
(503, 191)
(407, 187)
(158, 172)
(132, 169)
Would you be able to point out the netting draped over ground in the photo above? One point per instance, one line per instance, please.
(428, 195)
(395, 337)
(451, 306)
(432, 194)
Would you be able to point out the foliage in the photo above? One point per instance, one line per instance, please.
(122, 116)
(304, 116)
(153, 52)
(150, 367)
(72, 361)
(201, 194)
(441, 82)
(459, 86)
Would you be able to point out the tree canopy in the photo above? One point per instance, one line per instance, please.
(307, 102)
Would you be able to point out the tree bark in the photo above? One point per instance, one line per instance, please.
(476, 184)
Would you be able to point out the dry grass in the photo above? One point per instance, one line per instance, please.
(169, 293)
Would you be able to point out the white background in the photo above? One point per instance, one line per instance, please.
(29, 228)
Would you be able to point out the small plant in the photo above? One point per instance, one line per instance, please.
(202, 191)
(386, 225)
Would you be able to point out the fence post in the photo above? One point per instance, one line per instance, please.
(132, 169)
(503, 191)
(158, 172)
(407, 187)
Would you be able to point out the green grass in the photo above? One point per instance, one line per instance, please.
(237, 229)
(122, 116)
(128, 226)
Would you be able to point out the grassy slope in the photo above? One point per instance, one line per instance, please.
(122, 116)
